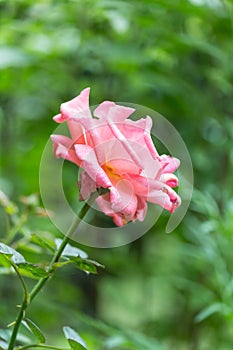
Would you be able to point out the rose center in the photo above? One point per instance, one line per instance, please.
(111, 172)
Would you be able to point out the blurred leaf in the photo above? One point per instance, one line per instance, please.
(71, 250)
(74, 339)
(115, 341)
(89, 266)
(15, 257)
(143, 341)
(3, 345)
(203, 202)
(42, 241)
(13, 57)
(30, 201)
(29, 248)
(61, 263)
(5, 334)
(4, 261)
(34, 329)
(32, 270)
(86, 265)
(4, 270)
(8, 206)
(208, 311)
(78, 257)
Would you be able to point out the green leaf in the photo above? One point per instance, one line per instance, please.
(115, 341)
(71, 250)
(87, 265)
(15, 257)
(62, 263)
(4, 261)
(13, 57)
(29, 324)
(43, 242)
(9, 207)
(28, 269)
(31, 201)
(4, 270)
(208, 311)
(29, 248)
(5, 334)
(32, 270)
(3, 345)
(74, 339)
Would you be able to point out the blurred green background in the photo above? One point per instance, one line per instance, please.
(163, 291)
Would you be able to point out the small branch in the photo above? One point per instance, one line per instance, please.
(23, 307)
(65, 240)
(17, 227)
(29, 297)
(39, 346)
(26, 295)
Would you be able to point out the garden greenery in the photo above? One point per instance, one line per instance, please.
(162, 291)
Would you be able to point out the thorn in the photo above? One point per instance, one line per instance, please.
(11, 324)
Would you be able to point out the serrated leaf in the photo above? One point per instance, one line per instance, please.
(35, 270)
(15, 257)
(74, 339)
(71, 250)
(29, 324)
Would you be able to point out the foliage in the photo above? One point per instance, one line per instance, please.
(162, 291)
(13, 261)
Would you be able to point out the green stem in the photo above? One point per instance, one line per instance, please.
(42, 281)
(58, 254)
(17, 324)
(38, 346)
(21, 279)
(22, 309)
(18, 226)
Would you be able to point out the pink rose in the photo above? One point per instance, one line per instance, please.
(118, 154)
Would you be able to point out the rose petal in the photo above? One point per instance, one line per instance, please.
(170, 164)
(90, 164)
(169, 179)
(87, 186)
(63, 148)
(141, 209)
(111, 111)
(127, 204)
(166, 198)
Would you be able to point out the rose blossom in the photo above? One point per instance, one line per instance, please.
(118, 154)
